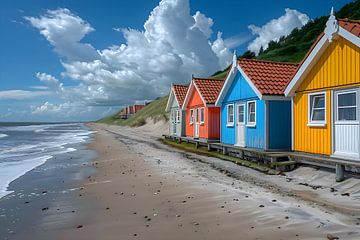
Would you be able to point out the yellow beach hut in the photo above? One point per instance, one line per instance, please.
(325, 93)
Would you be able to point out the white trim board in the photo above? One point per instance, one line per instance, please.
(191, 88)
(230, 79)
(171, 98)
(314, 56)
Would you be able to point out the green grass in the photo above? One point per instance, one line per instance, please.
(190, 147)
(154, 111)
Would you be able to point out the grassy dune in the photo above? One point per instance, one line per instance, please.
(155, 111)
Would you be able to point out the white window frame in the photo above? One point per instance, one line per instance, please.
(202, 121)
(315, 123)
(237, 113)
(248, 123)
(191, 116)
(230, 124)
(337, 106)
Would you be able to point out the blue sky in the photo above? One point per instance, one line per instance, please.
(60, 75)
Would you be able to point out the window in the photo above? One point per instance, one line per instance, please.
(346, 106)
(230, 115)
(317, 109)
(202, 115)
(251, 120)
(241, 113)
(177, 116)
(191, 116)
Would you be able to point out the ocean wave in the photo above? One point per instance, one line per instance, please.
(34, 145)
(9, 171)
(2, 135)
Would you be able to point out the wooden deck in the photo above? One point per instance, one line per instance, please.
(340, 165)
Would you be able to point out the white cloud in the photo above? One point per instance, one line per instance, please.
(21, 94)
(51, 82)
(276, 28)
(203, 23)
(235, 41)
(66, 109)
(64, 30)
(172, 46)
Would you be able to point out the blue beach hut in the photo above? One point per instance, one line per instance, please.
(254, 111)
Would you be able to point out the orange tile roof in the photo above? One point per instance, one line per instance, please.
(269, 77)
(180, 93)
(352, 26)
(209, 89)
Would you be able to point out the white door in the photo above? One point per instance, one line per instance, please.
(240, 125)
(346, 123)
(196, 123)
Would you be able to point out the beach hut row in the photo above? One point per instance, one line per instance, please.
(312, 107)
(130, 110)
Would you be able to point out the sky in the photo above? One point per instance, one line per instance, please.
(81, 60)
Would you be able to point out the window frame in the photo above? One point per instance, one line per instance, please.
(191, 116)
(316, 123)
(338, 107)
(248, 123)
(202, 121)
(237, 113)
(230, 124)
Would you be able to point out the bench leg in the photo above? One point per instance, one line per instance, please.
(209, 147)
(340, 172)
(197, 144)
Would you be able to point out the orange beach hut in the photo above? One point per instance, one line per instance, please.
(202, 116)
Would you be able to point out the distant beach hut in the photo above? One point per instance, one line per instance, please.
(254, 111)
(325, 93)
(177, 114)
(202, 116)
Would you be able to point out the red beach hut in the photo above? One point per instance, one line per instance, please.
(202, 116)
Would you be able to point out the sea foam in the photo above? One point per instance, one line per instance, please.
(2, 135)
(28, 147)
(9, 171)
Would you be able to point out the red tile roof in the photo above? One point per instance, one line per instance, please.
(180, 93)
(209, 89)
(269, 77)
(352, 26)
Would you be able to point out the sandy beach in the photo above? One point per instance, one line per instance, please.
(143, 189)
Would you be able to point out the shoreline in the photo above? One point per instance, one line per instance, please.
(41, 199)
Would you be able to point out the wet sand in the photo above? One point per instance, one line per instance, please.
(145, 190)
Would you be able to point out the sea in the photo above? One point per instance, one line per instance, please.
(26, 146)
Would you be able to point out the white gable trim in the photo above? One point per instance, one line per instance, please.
(314, 56)
(172, 97)
(306, 66)
(229, 80)
(202, 99)
(191, 89)
(187, 96)
(250, 82)
(349, 36)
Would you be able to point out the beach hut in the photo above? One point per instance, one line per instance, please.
(325, 93)
(254, 111)
(177, 114)
(202, 116)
